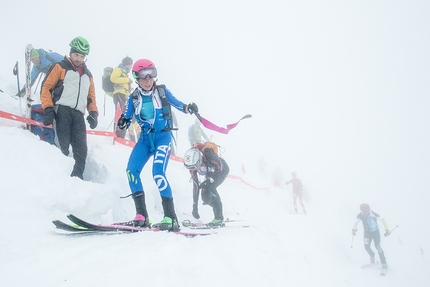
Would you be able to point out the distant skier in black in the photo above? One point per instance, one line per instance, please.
(371, 232)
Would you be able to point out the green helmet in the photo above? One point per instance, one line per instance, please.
(80, 45)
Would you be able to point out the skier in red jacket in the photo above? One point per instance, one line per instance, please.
(297, 191)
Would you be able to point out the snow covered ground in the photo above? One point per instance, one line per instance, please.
(278, 249)
(338, 91)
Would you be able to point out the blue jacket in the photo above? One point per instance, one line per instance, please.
(46, 61)
(147, 109)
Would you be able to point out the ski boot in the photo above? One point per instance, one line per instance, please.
(170, 221)
(216, 223)
(167, 224)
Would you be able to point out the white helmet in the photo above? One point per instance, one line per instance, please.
(193, 158)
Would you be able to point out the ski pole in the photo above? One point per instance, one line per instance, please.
(352, 240)
(391, 231)
(111, 123)
(104, 106)
(16, 73)
(38, 82)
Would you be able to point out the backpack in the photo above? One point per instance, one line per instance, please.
(209, 145)
(107, 84)
(165, 105)
(45, 134)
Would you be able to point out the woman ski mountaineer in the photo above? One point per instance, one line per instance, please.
(150, 105)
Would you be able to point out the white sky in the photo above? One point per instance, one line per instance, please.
(338, 90)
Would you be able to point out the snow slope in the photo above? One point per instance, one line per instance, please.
(278, 249)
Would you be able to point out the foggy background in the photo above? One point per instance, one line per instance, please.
(338, 90)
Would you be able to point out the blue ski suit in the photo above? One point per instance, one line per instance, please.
(154, 140)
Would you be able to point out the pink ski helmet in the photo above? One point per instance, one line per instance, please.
(144, 68)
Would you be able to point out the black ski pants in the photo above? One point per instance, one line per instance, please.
(374, 236)
(70, 130)
(119, 100)
(210, 195)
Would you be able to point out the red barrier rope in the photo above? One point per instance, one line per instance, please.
(122, 141)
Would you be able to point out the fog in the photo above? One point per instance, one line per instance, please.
(338, 90)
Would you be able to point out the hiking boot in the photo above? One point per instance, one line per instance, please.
(295, 210)
(167, 224)
(372, 259)
(216, 223)
(384, 265)
(304, 212)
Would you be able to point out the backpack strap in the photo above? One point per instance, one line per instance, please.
(166, 107)
(135, 98)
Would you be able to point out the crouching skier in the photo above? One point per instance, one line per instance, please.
(205, 161)
(150, 105)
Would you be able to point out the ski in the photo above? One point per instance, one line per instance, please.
(367, 265)
(71, 228)
(28, 81)
(123, 228)
(201, 225)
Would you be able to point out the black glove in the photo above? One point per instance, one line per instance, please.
(49, 116)
(195, 211)
(387, 232)
(192, 108)
(206, 182)
(21, 94)
(354, 232)
(123, 122)
(92, 120)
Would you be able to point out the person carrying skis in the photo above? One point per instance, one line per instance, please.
(42, 62)
(297, 191)
(150, 106)
(195, 133)
(67, 91)
(370, 219)
(122, 88)
(205, 161)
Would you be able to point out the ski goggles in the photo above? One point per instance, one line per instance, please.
(145, 73)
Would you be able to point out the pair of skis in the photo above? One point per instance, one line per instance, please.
(201, 225)
(383, 271)
(82, 226)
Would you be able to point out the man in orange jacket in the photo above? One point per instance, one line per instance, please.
(67, 91)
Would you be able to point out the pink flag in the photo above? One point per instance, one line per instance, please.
(207, 124)
(243, 169)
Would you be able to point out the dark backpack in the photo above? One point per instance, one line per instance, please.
(107, 84)
(45, 134)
